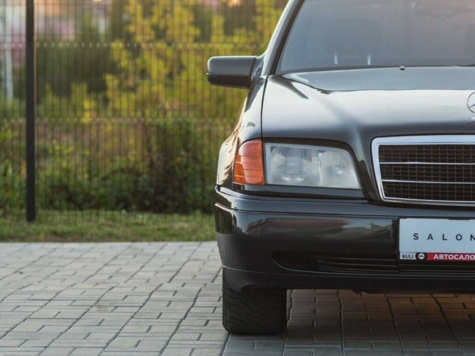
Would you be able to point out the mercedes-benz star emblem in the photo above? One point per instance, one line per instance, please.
(471, 102)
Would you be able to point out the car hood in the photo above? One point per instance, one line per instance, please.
(351, 108)
(363, 104)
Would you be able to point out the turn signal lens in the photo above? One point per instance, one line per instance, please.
(249, 166)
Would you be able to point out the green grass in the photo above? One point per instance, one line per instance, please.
(107, 227)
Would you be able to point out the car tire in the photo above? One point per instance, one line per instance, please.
(254, 311)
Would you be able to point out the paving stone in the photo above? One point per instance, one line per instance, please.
(87, 351)
(185, 337)
(131, 353)
(11, 343)
(26, 351)
(36, 343)
(254, 353)
(374, 353)
(57, 351)
(298, 353)
(207, 352)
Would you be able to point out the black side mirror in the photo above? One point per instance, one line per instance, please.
(233, 71)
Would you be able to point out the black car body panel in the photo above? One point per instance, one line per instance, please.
(248, 127)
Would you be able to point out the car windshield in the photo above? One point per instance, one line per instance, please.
(346, 34)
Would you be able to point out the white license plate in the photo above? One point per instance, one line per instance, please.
(437, 240)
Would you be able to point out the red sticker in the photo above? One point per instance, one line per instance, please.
(451, 257)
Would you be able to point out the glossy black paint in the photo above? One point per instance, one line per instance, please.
(248, 127)
(346, 109)
(231, 71)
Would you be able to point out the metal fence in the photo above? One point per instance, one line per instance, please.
(125, 119)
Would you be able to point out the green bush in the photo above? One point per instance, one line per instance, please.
(12, 166)
(172, 176)
(177, 168)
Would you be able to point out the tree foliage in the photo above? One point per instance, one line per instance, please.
(162, 61)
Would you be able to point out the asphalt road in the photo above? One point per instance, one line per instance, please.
(164, 299)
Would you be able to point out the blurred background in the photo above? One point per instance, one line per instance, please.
(126, 120)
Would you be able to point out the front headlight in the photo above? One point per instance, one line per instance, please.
(309, 166)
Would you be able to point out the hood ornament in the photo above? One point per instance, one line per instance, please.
(471, 102)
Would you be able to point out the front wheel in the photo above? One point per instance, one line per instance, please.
(254, 311)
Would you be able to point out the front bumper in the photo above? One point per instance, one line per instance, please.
(294, 243)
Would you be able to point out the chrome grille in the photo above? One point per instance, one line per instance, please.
(439, 153)
(426, 169)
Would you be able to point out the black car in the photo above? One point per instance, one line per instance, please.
(352, 164)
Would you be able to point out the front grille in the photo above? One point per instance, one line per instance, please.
(426, 169)
(430, 191)
(441, 173)
(440, 153)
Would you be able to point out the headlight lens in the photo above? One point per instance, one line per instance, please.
(309, 166)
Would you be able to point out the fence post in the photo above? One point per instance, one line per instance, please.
(30, 111)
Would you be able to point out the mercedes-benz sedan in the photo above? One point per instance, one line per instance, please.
(352, 164)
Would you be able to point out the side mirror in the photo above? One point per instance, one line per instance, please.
(233, 71)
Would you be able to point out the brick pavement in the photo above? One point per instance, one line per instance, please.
(164, 299)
